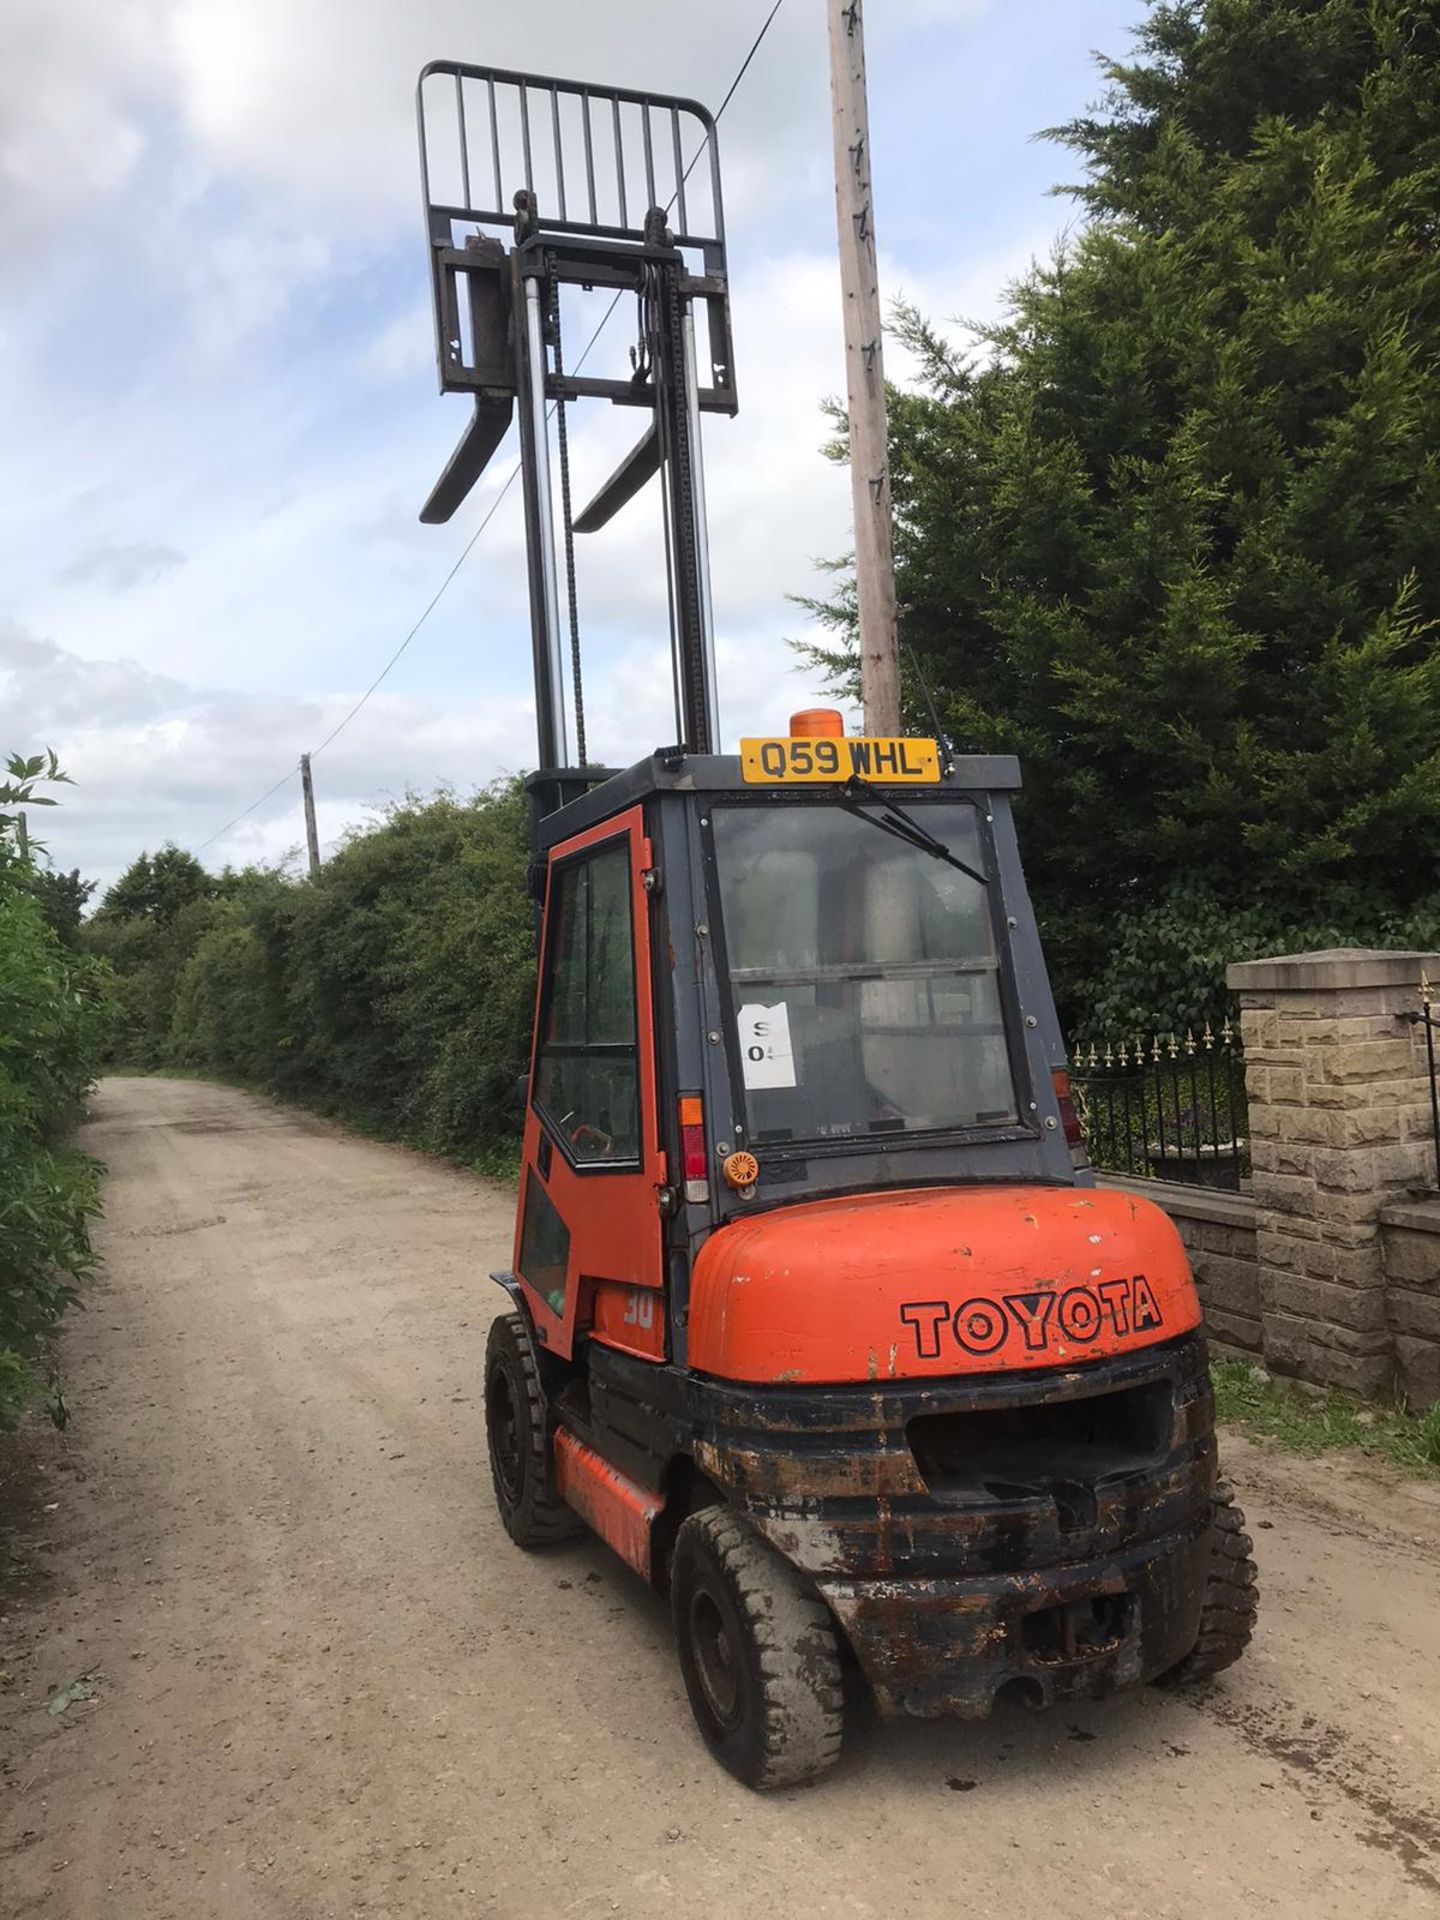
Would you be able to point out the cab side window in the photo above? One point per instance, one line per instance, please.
(587, 1073)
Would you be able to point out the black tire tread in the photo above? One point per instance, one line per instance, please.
(542, 1518)
(1232, 1597)
(801, 1680)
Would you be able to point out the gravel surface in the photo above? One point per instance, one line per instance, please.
(316, 1680)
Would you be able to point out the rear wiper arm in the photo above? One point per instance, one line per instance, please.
(902, 826)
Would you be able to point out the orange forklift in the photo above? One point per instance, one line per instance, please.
(816, 1316)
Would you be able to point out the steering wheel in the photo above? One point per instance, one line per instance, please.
(584, 1132)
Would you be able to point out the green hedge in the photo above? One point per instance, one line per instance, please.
(1163, 970)
(395, 989)
(54, 1021)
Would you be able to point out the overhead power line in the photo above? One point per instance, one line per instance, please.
(494, 506)
(284, 780)
(744, 69)
(430, 607)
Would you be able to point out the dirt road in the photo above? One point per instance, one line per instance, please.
(324, 1684)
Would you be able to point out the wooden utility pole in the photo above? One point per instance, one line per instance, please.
(865, 373)
(312, 838)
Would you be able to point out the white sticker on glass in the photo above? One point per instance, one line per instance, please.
(765, 1045)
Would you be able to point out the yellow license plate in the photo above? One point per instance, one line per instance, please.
(884, 762)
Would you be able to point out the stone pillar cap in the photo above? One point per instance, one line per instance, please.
(1335, 967)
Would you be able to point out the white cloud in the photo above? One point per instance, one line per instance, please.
(246, 279)
(404, 348)
(121, 568)
(217, 350)
(157, 759)
(306, 107)
(77, 85)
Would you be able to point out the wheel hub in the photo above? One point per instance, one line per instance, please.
(505, 1436)
(715, 1658)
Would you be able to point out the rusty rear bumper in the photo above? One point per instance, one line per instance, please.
(1045, 1534)
(953, 1646)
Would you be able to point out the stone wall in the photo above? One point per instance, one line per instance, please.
(1411, 1235)
(1329, 1269)
(1219, 1234)
(1340, 1129)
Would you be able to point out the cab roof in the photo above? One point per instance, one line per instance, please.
(571, 800)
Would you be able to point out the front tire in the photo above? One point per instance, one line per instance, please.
(1232, 1598)
(517, 1428)
(759, 1654)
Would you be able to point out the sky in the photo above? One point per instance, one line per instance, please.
(220, 410)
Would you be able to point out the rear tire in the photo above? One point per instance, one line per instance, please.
(759, 1654)
(517, 1427)
(1232, 1598)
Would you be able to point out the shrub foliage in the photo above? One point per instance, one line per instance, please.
(53, 1025)
(395, 989)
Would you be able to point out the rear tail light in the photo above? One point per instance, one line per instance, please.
(694, 1157)
(1069, 1118)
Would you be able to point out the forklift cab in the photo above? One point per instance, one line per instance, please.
(822, 1000)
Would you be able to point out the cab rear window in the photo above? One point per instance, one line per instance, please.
(864, 973)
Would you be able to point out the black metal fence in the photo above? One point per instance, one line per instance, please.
(1167, 1107)
(1428, 1018)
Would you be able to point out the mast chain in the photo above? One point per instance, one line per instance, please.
(567, 517)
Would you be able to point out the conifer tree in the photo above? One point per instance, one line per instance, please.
(1170, 530)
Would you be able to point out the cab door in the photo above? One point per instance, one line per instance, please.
(588, 1231)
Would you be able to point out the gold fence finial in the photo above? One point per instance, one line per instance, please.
(1427, 992)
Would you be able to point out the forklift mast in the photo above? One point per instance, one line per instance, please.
(533, 186)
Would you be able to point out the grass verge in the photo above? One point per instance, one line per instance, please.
(1314, 1423)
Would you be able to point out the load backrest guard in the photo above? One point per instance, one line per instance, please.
(593, 162)
(602, 190)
